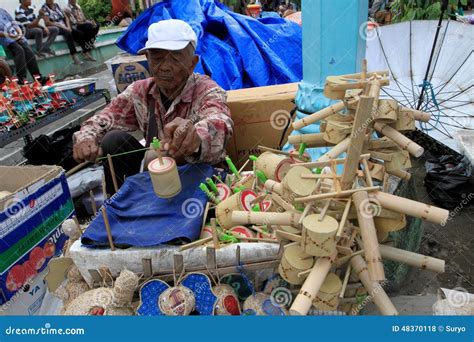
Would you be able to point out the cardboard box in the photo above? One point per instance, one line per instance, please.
(30, 229)
(260, 116)
(127, 69)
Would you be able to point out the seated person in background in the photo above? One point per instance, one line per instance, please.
(186, 111)
(54, 16)
(84, 31)
(11, 37)
(121, 9)
(33, 30)
(5, 70)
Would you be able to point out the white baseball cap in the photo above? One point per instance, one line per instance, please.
(169, 34)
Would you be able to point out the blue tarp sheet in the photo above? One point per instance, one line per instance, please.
(138, 217)
(236, 51)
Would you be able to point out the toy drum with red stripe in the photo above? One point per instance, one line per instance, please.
(206, 232)
(165, 177)
(274, 166)
(240, 201)
(242, 231)
(224, 191)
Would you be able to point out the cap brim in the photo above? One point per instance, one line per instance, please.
(166, 45)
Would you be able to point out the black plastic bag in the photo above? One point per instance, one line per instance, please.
(52, 150)
(448, 180)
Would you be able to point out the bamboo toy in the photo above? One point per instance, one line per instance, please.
(375, 290)
(322, 114)
(410, 207)
(356, 142)
(401, 174)
(387, 111)
(274, 186)
(311, 286)
(164, 174)
(338, 127)
(318, 235)
(336, 150)
(311, 140)
(339, 194)
(369, 236)
(295, 182)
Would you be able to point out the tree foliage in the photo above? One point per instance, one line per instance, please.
(404, 10)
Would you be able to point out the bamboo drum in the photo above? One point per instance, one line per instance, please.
(294, 261)
(387, 111)
(165, 178)
(297, 185)
(238, 201)
(274, 166)
(327, 298)
(318, 237)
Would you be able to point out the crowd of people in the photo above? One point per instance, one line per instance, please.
(50, 21)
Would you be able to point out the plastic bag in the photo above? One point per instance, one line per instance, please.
(448, 180)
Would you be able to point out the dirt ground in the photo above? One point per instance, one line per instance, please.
(454, 243)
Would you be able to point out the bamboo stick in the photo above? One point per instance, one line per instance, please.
(344, 218)
(375, 290)
(93, 204)
(215, 237)
(405, 175)
(311, 140)
(288, 236)
(107, 229)
(369, 236)
(274, 186)
(346, 280)
(343, 193)
(195, 243)
(346, 258)
(361, 121)
(411, 208)
(272, 150)
(77, 168)
(112, 172)
(418, 115)
(312, 165)
(413, 148)
(368, 177)
(322, 114)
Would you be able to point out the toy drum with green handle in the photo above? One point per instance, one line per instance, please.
(246, 182)
(318, 237)
(240, 201)
(165, 177)
(294, 261)
(327, 298)
(274, 166)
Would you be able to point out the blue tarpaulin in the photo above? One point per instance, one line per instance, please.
(138, 217)
(237, 51)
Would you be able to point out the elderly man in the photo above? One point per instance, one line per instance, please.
(186, 111)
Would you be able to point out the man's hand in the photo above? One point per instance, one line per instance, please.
(46, 31)
(181, 138)
(86, 150)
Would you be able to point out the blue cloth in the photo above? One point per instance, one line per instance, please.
(138, 217)
(8, 26)
(236, 51)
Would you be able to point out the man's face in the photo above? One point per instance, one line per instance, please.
(49, 2)
(26, 3)
(171, 69)
(73, 2)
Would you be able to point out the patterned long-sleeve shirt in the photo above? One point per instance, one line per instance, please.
(202, 101)
(9, 28)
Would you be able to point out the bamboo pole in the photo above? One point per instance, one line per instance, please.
(195, 243)
(322, 114)
(346, 280)
(274, 186)
(412, 259)
(93, 204)
(413, 148)
(375, 290)
(401, 174)
(361, 122)
(345, 214)
(343, 193)
(369, 236)
(215, 236)
(311, 286)
(368, 177)
(336, 150)
(265, 218)
(339, 161)
(311, 140)
(418, 114)
(411, 208)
